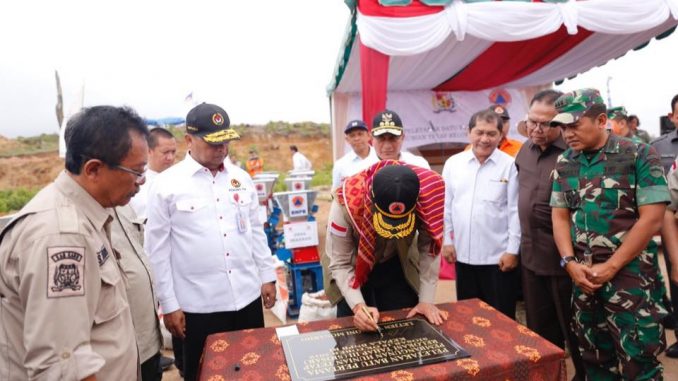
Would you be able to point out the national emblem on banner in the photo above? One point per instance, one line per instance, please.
(443, 101)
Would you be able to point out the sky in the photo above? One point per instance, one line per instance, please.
(260, 60)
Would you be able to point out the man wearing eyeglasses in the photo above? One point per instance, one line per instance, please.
(547, 288)
(205, 241)
(65, 314)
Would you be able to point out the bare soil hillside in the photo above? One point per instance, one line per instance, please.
(38, 170)
(29, 171)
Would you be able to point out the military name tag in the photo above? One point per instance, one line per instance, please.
(66, 271)
(348, 353)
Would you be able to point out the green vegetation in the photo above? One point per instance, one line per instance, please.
(32, 145)
(322, 178)
(280, 184)
(305, 129)
(15, 199)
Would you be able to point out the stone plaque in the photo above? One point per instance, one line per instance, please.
(348, 353)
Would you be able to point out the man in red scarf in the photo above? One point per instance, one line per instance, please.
(384, 236)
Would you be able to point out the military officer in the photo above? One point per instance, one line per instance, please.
(634, 123)
(667, 148)
(65, 314)
(670, 228)
(608, 199)
(619, 121)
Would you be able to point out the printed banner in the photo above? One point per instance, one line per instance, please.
(441, 116)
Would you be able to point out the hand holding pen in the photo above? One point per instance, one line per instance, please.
(364, 318)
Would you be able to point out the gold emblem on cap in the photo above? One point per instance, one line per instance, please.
(221, 136)
(499, 110)
(389, 231)
(217, 119)
(387, 120)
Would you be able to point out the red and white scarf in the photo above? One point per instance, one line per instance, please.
(355, 196)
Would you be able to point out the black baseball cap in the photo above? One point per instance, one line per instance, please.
(501, 111)
(210, 122)
(395, 190)
(387, 122)
(355, 125)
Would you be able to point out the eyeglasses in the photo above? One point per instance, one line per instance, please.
(541, 125)
(141, 176)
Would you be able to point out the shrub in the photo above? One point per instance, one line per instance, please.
(14, 199)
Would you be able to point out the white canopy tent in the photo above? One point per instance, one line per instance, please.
(435, 62)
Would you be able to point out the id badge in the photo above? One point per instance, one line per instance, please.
(241, 221)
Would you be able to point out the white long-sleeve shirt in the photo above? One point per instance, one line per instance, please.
(300, 162)
(481, 207)
(204, 239)
(350, 164)
(413, 159)
(139, 201)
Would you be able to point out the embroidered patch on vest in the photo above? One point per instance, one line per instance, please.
(102, 256)
(65, 271)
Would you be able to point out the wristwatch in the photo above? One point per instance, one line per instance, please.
(565, 260)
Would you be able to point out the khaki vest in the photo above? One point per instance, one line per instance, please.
(408, 253)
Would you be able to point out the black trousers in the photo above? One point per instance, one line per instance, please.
(386, 289)
(672, 304)
(199, 326)
(150, 369)
(489, 284)
(178, 349)
(548, 303)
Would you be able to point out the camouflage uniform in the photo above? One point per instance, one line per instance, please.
(643, 136)
(621, 111)
(620, 321)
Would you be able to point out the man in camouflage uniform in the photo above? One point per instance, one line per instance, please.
(634, 123)
(608, 199)
(619, 122)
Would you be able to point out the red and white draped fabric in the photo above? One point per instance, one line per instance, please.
(480, 45)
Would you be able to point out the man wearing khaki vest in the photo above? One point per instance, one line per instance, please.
(127, 237)
(65, 315)
(382, 243)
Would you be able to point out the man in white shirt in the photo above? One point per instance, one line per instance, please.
(162, 149)
(205, 241)
(361, 157)
(299, 161)
(389, 135)
(482, 229)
